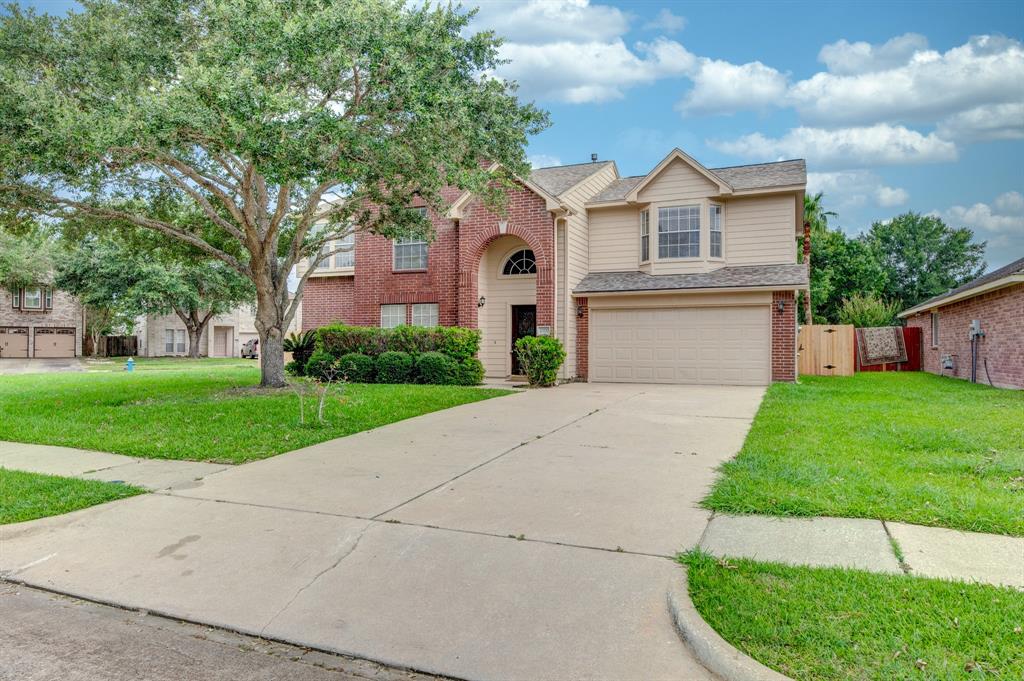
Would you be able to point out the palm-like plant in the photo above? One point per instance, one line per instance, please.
(301, 345)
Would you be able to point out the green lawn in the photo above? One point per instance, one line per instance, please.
(167, 363)
(27, 496)
(208, 412)
(834, 624)
(896, 446)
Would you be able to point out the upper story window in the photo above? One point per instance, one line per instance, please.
(645, 235)
(679, 232)
(411, 253)
(342, 258)
(32, 298)
(520, 262)
(715, 225)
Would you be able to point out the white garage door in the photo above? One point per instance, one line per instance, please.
(710, 345)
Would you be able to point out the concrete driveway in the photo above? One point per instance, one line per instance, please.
(525, 537)
(14, 365)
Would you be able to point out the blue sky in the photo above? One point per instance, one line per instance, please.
(896, 106)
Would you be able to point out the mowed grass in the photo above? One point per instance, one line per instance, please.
(834, 624)
(167, 363)
(912, 447)
(209, 412)
(27, 496)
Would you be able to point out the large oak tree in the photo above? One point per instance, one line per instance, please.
(286, 122)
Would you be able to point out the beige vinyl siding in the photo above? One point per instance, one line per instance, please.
(759, 230)
(615, 239)
(678, 181)
(578, 251)
(501, 293)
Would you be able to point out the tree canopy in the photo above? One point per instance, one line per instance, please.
(287, 124)
(25, 259)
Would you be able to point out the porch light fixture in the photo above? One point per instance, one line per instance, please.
(579, 312)
(481, 302)
(782, 306)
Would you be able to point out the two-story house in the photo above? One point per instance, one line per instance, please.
(224, 335)
(40, 321)
(684, 275)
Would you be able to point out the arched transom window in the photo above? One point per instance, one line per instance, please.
(520, 262)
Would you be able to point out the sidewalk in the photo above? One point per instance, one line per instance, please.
(152, 474)
(870, 545)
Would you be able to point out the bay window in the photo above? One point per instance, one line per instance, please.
(715, 223)
(645, 235)
(32, 298)
(679, 232)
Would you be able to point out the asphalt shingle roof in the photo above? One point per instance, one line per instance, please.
(1015, 267)
(757, 176)
(781, 276)
(558, 179)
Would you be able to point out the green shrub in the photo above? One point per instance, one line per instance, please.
(469, 372)
(865, 311)
(293, 368)
(357, 367)
(435, 368)
(394, 367)
(457, 342)
(341, 340)
(301, 345)
(540, 357)
(321, 366)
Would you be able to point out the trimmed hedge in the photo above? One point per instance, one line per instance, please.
(469, 372)
(357, 368)
(319, 365)
(541, 356)
(435, 368)
(456, 342)
(394, 367)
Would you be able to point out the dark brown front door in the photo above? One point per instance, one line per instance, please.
(524, 323)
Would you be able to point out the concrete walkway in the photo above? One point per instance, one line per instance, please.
(152, 474)
(524, 537)
(10, 366)
(869, 545)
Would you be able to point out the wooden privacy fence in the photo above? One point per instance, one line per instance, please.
(826, 350)
(113, 346)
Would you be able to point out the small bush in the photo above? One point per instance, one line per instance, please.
(435, 368)
(357, 367)
(540, 356)
(394, 367)
(865, 311)
(320, 365)
(457, 342)
(340, 340)
(469, 372)
(293, 368)
(301, 345)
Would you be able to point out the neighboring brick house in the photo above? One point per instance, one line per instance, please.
(40, 321)
(683, 275)
(996, 301)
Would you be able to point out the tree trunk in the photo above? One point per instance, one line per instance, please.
(193, 341)
(271, 305)
(271, 358)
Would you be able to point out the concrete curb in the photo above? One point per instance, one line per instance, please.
(713, 651)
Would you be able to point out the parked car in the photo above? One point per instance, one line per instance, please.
(251, 349)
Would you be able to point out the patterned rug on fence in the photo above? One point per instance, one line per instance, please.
(881, 345)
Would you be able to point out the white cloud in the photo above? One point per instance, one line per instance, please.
(1010, 203)
(985, 70)
(983, 123)
(722, 87)
(853, 188)
(544, 21)
(543, 161)
(848, 58)
(845, 147)
(666, 22)
(593, 71)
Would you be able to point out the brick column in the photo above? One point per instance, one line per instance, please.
(582, 338)
(783, 336)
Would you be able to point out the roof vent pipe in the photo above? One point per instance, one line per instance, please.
(593, 158)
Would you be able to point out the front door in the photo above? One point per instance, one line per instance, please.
(524, 323)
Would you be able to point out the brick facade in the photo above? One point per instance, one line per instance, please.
(784, 332)
(450, 280)
(1001, 314)
(582, 338)
(65, 313)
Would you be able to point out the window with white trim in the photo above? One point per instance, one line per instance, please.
(180, 340)
(32, 298)
(935, 329)
(715, 225)
(424, 314)
(346, 258)
(392, 316)
(410, 254)
(16, 298)
(645, 235)
(520, 262)
(679, 232)
(174, 340)
(48, 295)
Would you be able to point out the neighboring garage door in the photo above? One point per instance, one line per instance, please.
(13, 341)
(704, 345)
(54, 342)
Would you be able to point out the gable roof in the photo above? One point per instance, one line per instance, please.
(1004, 276)
(678, 154)
(558, 179)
